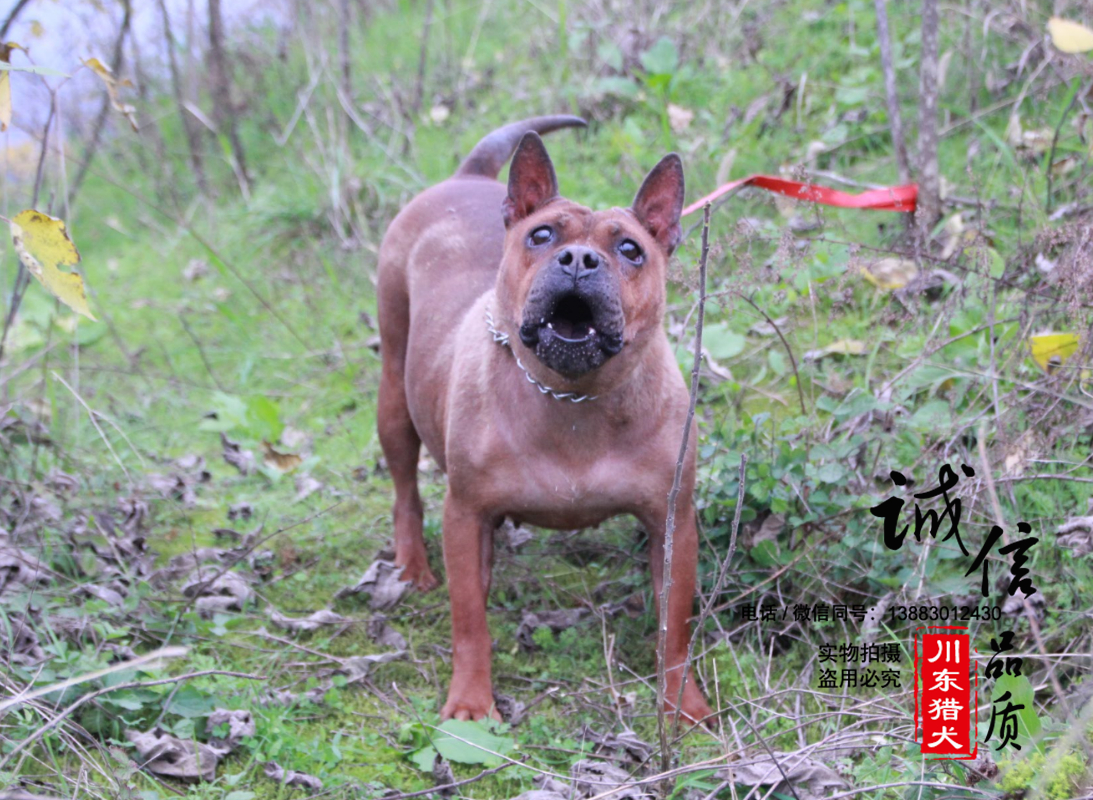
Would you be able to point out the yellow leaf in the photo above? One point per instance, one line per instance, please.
(43, 247)
(37, 29)
(890, 273)
(1051, 350)
(112, 83)
(843, 347)
(5, 84)
(1070, 37)
(285, 462)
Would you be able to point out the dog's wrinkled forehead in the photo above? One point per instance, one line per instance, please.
(576, 223)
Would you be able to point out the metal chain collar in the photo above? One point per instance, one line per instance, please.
(503, 340)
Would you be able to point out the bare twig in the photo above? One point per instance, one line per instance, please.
(928, 207)
(785, 344)
(116, 61)
(12, 16)
(895, 122)
(673, 495)
(996, 506)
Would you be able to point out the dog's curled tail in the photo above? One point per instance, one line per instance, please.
(490, 154)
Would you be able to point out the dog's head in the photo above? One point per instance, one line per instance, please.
(582, 285)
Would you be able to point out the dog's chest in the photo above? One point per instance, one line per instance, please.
(559, 479)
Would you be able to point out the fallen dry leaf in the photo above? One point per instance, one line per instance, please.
(18, 568)
(1076, 534)
(305, 487)
(591, 777)
(380, 632)
(240, 725)
(626, 743)
(283, 462)
(164, 754)
(291, 777)
(306, 624)
(19, 641)
(213, 592)
(843, 347)
(234, 454)
(890, 273)
(381, 582)
(788, 773)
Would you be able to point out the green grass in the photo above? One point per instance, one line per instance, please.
(281, 325)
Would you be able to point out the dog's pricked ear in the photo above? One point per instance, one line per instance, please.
(531, 180)
(659, 202)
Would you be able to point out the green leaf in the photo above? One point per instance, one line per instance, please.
(620, 87)
(264, 418)
(423, 758)
(189, 702)
(230, 411)
(721, 342)
(476, 744)
(1021, 693)
(662, 58)
(830, 473)
(238, 795)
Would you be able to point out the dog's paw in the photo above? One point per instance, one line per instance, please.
(470, 705)
(419, 575)
(696, 711)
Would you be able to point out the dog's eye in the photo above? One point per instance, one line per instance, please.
(631, 252)
(541, 235)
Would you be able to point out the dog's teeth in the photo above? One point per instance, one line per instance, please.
(591, 331)
(550, 325)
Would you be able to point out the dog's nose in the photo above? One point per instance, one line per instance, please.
(578, 261)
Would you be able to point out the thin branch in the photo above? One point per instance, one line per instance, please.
(673, 495)
(895, 122)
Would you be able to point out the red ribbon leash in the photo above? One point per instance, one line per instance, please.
(891, 198)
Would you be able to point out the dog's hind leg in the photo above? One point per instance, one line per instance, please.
(401, 442)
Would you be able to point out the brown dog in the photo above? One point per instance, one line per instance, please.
(523, 343)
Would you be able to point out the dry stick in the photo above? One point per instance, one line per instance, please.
(116, 61)
(1033, 624)
(894, 120)
(785, 344)
(1055, 141)
(22, 276)
(928, 208)
(673, 495)
(419, 89)
(102, 435)
(200, 350)
(53, 723)
(719, 585)
(193, 134)
(12, 16)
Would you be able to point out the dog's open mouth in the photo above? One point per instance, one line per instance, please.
(572, 319)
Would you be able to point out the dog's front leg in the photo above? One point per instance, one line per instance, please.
(680, 603)
(468, 556)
